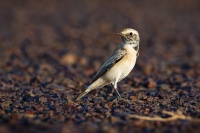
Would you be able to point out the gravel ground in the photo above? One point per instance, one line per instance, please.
(50, 50)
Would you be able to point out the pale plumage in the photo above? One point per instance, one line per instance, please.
(119, 64)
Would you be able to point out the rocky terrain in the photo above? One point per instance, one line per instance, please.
(50, 50)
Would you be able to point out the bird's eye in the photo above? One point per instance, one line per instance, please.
(131, 33)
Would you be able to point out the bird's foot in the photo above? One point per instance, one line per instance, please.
(125, 101)
(122, 100)
(119, 98)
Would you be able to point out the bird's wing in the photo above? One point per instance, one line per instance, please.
(115, 57)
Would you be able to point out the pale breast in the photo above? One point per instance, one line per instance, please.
(122, 68)
(128, 63)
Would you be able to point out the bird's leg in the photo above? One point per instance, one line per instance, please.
(118, 95)
(115, 87)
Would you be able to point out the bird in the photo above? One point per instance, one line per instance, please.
(118, 65)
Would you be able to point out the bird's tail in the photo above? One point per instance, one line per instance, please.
(91, 87)
(81, 95)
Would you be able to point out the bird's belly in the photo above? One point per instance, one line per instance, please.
(120, 69)
(126, 69)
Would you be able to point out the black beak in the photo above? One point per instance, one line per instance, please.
(120, 34)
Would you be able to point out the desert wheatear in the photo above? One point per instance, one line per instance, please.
(119, 64)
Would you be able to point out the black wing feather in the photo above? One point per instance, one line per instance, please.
(112, 60)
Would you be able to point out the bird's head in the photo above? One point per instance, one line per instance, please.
(130, 37)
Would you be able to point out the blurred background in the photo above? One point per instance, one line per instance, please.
(68, 40)
(81, 34)
(168, 29)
